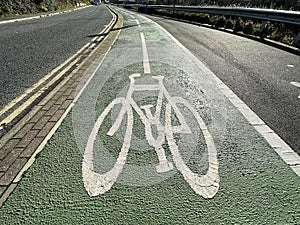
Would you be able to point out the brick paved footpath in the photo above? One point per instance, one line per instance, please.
(21, 144)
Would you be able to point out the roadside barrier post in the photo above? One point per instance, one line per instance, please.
(296, 42)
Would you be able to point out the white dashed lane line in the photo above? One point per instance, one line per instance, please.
(145, 55)
(296, 84)
(138, 23)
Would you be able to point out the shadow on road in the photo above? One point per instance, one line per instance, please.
(254, 38)
(114, 29)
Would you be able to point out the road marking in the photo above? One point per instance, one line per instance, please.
(50, 25)
(91, 71)
(33, 87)
(138, 23)
(56, 126)
(277, 143)
(20, 20)
(41, 16)
(28, 102)
(67, 64)
(296, 84)
(146, 63)
(95, 183)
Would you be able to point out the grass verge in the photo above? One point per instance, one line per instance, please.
(279, 32)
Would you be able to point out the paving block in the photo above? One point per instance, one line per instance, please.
(52, 110)
(2, 190)
(61, 100)
(65, 105)
(37, 116)
(12, 172)
(57, 115)
(9, 159)
(27, 138)
(8, 147)
(41, 123)
(46, 129)
(31, 148)
(21, 133)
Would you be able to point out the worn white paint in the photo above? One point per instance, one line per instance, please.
(273, 139)
(296, 84)
(96, 183)
(138, 23)
(146, 63)
(206, 185)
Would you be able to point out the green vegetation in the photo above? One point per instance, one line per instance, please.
(14, 7)
(269, 4)
(279, 32)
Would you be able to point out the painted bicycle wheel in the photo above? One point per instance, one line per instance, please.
(206, 185)
(98, 183)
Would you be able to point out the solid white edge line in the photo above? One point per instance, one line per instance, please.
(41, 16)
(286, 153)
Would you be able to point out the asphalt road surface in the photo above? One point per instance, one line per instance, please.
(155, 138)
(31, 49)
(259, 74)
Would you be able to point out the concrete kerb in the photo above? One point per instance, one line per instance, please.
(95, 57)
(35, 109)
(41, 88)
(56, 126)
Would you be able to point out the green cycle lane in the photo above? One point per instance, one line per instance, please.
(204, 138)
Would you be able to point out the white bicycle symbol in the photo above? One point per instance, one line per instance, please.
(205, 185)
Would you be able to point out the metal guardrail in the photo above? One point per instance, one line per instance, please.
(282, 16)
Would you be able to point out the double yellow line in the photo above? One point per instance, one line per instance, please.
(48, 81)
